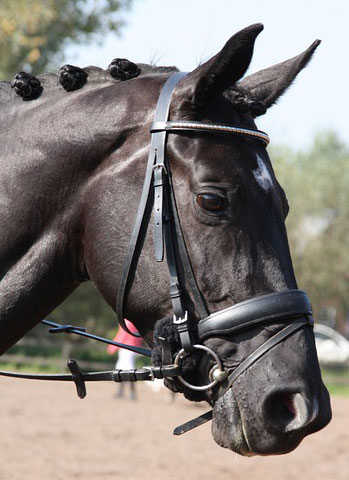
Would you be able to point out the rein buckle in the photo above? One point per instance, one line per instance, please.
(159, 166)
(180, 320)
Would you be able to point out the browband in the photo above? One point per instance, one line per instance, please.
(208, 127)
(259, 310)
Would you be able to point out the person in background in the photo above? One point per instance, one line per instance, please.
(126, 359)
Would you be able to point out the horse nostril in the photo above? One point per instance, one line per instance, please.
(288, 401)
(287, 411)
(281, 409)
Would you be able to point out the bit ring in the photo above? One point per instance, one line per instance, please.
(182, 353)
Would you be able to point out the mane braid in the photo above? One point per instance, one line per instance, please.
(26, 86)
(73, 78)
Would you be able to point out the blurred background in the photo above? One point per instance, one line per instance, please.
(308, 129)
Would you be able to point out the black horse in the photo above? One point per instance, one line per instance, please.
(74, 151)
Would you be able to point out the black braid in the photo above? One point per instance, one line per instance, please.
(72, 78)
(123, 69)
(26, 85)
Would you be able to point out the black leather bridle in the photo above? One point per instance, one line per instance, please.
(291, 307)
(158, 195)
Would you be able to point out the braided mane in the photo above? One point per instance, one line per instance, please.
(71, 78)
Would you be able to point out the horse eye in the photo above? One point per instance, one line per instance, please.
(210, 202)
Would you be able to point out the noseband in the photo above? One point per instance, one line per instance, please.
(291, 306)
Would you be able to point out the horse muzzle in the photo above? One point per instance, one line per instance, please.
(275, 397)
(282, 405)
(268, 421)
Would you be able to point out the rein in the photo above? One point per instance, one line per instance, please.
(117, 375)
(79, 377)
(291, 307)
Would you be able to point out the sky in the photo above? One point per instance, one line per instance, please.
(187, 32)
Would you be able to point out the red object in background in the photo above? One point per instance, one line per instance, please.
(124, 337)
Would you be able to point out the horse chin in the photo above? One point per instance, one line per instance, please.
(227, 427)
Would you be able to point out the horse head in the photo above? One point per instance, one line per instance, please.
(77, 173)
(233, 212)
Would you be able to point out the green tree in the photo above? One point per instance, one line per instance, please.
(33, 33)
(316, 183)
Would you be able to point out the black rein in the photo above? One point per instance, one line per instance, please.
(79, 377)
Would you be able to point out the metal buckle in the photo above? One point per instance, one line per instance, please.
(180, 320)
(151, 373)
(157, 166)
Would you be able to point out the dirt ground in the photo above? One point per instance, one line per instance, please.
(47, 432)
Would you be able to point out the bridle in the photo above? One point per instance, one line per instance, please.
(168, 237)
(291, 307)
(158, 196)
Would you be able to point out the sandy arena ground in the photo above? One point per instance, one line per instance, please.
(48, 433)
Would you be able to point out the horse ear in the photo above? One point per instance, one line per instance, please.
(268, 85)
(223, 70)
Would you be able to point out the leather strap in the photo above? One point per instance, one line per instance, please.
(177, 255)
(133, 251)
(196, 422)
(145, 204)
(58, 328)
(159, 184)
(264, 348)
(188, 272)
(255, 311)
(161, 205)
(79, 377)
(209, 128)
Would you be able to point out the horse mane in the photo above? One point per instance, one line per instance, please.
(72, 78)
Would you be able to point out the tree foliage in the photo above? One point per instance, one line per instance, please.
(34, 32)
(316, 183)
